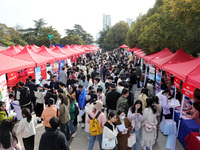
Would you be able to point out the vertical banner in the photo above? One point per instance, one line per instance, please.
(44, 72)
(141, 64)
(69, 62)
(3, 89)
(188, 90)
(152, 73)
(158, 81)
(55, 68)
(38, 75)
(61, 65)
(177, 82)
(12, 76)
(168, 76)
(145, 77)
(49, 68)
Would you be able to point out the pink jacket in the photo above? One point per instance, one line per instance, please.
(101, 118)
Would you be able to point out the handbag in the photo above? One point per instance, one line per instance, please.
(149, 127)
(131, 140)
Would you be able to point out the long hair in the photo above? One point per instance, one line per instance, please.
(145, 91)
(1, 104)
(73, 89)
(27, 114)
(133, 107)
(150, 104)
(6, 133)
(63, 98)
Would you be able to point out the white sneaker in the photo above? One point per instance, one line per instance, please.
(83, 125)
(74, 134)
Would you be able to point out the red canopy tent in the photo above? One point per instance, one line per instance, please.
(179, 56)
(85, 48)
(28, 55)
(182, 70)
(11, 51)
(65, 51)
(124, 46)
(193, 78)
(133, 49)
(45, 52)
(9, 64)
(52, 47)
(77, 51)
(138, 52)
(19, 47)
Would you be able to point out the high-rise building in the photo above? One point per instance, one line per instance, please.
(129, 21)
(106, 21)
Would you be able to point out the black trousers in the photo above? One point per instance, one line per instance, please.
(138, 82)
(29, 142)
(83, 118)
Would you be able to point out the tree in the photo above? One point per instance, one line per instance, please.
(116, 36)
(72, 39)
(31, 39)
(39, 24)
(79, 31)
(102, 36)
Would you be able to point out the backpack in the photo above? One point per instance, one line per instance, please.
(48, 96)
(24, 96)
(95, 127)
(124, 105)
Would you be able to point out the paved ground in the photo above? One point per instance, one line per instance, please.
(80, 142)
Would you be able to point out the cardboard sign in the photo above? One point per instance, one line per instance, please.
(177, 82)
(12, 76)
(188, 90)
(168, 76)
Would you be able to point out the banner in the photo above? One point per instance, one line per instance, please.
(152, 73)
(177, 82)
(49, 68)
(30, 71)
(55, 68)
(12, 76)
(158, 82)
(38, 75)
(168, 76)
(141, 64)
(3, 89)
(188, 90)
(44, 72)
(69, 62)
(61, 65)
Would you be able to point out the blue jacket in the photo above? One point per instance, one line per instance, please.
(82, 98)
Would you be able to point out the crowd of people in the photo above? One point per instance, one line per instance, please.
(97, 92)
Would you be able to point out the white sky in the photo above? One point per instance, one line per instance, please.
(63, 14)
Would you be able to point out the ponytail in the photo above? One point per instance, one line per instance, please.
(27, 114)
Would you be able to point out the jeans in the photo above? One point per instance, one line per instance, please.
(64, 128)
(133, 89)
(137, 135)
(92, 140)
(71, 125)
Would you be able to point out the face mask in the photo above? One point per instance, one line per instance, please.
(122, 117)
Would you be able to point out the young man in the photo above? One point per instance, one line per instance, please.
(63, 76)
(122, 102)
(54, 84)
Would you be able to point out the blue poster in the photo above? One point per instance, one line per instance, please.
(61, 65)
(158, 82)
(38, 75)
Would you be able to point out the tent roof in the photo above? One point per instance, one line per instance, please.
(28, 55)
(149, 57)
(86, 48)
(52, 47)
(45, 52)
(67, 50)
(19, 47)
(63, 51)
(77, 49)
(193, 78)
(11, 51)
(181, 70)
(179, 56)
(133, 49)
(123, 46)
(9, 64)
(161, 55)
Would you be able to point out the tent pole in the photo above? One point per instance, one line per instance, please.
(179, 121)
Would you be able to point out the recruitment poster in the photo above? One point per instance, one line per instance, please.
(141, 64)
(61, 65)
(38, 75)
(49, 68)
(158, 82)
(55, 68)
(152, 73)
(69, 62)
(3, 88)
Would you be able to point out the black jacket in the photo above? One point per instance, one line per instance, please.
(53, 140)
(32, 88)
(56, 85)
(70, 82)
(133, 78)
(111, 99)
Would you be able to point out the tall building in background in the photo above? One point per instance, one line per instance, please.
(106, 21)
(129, 21)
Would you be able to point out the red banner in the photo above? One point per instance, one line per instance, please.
(157, 69)
(30, 71)
(44, 71)
(12, 76)
(188, 90)
(168, 76)
(177, 82)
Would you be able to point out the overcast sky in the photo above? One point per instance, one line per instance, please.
(63, 14)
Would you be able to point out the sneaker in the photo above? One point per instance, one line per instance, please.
(83, 125)
(74, 134)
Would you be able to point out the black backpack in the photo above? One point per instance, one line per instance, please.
(49, 95)
(24, 96)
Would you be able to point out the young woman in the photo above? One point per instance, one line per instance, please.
(110, 130)
(64, 115)
(164, 103)
(149, 125)
(8, 140)
(3, 112)
(73, 91)
(84, 82)
(49, 112)
(135, 116)
(122, 137)
(143, 96)
(27, 129)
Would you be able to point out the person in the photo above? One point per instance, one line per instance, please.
(39, 102)
(53, 139)
(70, 81)
(150, 87)
(62, 86)
(63, 76)
(23, 96)
(120, 87)
(94, 73)
(64, 115)
(8, 140)
(27, 129)
(49, 112)
(159, 112)
(149, 123)
(54, 83)
(163, 85)
(164, 103)
(32, 88)
(98, 83)
(110, 130)
(111, 98)
(138, 74)
(72, 112)
(49, 93)
(143, 96)
(135, 116)
(122, 102)
(96, 112)
(3, 112)
(82, 100)
(194, 112)
(84, 82)
(100, 95)
(50, 76)
(122, 137)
